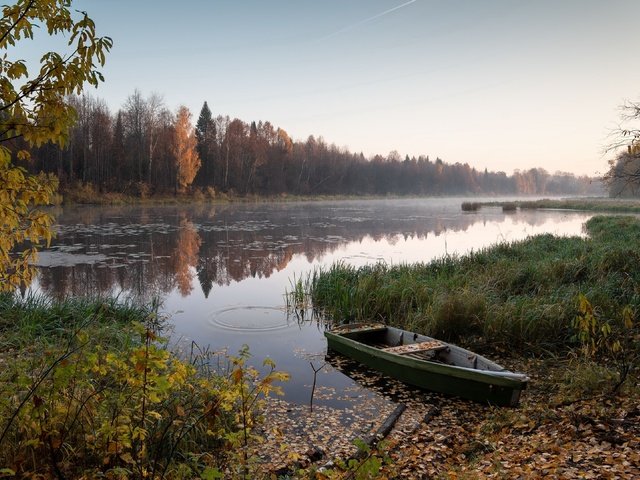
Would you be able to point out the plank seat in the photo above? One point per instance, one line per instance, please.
(431, 345)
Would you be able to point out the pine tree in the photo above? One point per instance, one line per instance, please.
(206, 146)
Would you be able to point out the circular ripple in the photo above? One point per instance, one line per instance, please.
(251, 318)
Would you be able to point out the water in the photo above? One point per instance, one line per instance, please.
(222, 271)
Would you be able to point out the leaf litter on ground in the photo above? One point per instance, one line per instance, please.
(444, 437)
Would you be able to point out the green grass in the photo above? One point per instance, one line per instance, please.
(38, 319)
(519, 296)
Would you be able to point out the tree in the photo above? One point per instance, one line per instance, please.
(206, 136)
(623, 176)
(186, 155)
(34, 111)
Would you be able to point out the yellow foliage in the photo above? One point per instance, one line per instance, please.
(33, 108)
(185, 152)
(21, 221)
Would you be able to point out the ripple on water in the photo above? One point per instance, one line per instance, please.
(252, 318)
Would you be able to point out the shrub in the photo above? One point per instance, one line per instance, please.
(471, 206)
(92, 405)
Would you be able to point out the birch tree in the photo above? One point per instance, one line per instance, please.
(184, 149)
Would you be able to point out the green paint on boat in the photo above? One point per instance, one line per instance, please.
(445, 368)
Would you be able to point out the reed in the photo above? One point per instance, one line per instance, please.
(519, 295)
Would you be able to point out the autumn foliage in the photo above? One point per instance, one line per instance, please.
(184, 149)
(34, 111)
(97, 394)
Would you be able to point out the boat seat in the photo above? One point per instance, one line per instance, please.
(430, 345)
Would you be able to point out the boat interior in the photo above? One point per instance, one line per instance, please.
(421, 347)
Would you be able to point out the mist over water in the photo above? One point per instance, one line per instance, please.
(221, 272)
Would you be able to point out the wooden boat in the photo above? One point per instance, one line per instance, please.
(427, 363)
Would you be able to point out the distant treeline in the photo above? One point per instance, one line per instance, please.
(144, 149)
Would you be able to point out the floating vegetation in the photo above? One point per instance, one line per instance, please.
(597, 204)
(471, 206)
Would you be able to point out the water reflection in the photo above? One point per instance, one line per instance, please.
(221, 271)
(147, 252)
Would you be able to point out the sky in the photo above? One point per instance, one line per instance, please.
(502, 85)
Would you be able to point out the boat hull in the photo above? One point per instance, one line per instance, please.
(470, 384)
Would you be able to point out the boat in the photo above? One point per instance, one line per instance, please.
(427, 363)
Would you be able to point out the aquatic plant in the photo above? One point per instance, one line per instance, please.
(518, 295)
(471, 206)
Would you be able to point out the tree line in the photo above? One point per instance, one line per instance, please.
(145, 148)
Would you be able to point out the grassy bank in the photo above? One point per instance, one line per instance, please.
(596, 204)
(88, 389)
(87, 194)
(564, 310)
(520, 296)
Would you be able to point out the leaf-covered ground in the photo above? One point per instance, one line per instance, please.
(549, 435)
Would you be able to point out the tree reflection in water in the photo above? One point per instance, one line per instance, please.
(151, 251)
(221, 272)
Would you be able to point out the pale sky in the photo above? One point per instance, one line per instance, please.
(498, 84)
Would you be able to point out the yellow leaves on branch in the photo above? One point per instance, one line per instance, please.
(33, 107)
(32, 97)
(21, 221)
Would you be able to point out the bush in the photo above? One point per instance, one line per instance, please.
(471, 206)
(82, 402)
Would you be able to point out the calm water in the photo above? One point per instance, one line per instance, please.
(222, 271)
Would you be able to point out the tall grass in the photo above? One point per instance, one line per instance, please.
(519, 295)
(41, 317)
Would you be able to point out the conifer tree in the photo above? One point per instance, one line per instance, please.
(206, 146)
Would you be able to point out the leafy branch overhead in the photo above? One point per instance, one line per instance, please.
(33, 111)
(32, 99)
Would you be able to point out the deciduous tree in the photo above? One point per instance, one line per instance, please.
(623, 176)
(34, 111)
(186, 155)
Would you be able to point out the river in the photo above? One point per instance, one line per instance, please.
(221, 271)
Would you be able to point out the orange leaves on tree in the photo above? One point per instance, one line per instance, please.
(184, 149)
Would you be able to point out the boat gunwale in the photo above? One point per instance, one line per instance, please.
(505, 378)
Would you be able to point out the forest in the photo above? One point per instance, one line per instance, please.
(146, 149)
